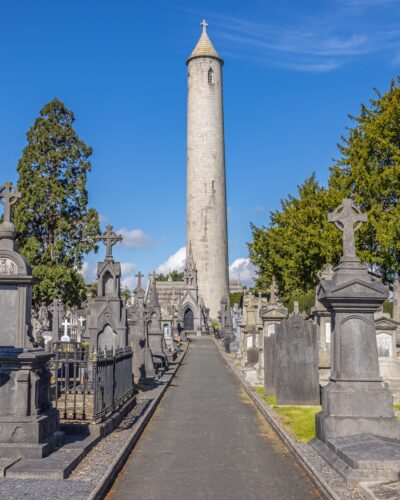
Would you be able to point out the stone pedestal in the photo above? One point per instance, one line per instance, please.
(28, 423)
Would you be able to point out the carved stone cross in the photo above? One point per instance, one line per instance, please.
(273, 291)
(204, 25)
(8, 197)
(139, 277)
(348, 218)
(109, 238)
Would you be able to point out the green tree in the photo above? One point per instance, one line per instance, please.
(55, 226)
(126, 294)
(369, 171)
(297, 242)
(173, 276)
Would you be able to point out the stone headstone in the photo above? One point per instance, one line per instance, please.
(296, 362)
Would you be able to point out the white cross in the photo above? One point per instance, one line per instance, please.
(81, 320)
(66, 324)
(204, 24)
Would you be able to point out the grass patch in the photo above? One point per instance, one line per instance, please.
(299, 421)
(397, 406)
(271, 400)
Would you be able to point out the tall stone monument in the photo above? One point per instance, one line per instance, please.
(206, 219)
(143, 366)
(357, 407)
(28, 423)
(107, 319)
(154, 332)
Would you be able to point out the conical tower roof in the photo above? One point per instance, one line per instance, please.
(204, 47)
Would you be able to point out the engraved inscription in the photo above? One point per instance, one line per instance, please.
(7, 266)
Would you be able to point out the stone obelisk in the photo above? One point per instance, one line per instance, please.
(206, 216)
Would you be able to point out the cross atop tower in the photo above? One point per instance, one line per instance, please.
(348, 218)
(109, 238)
(8, 197)
(204, 25)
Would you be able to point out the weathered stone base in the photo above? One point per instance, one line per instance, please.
(30, 437)
(352, 408)
(362, 457)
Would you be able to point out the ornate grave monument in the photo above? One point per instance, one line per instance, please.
(154, 332)
(106, 321)
(143, 366)
(356, 429)
(28, 423)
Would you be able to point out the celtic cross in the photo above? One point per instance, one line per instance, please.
(109, 238)
(139, 277)
(8, 197)
(348, 218)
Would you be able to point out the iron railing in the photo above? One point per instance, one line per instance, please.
(90, 386)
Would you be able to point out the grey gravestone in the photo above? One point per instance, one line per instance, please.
(355, 401)
(296, 362)
(228, 329)
(253, 355)
(28, 423)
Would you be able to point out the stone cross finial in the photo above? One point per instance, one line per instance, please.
(109, 238)
(8, 197)
(348, 218)
(273, 291)
(139, 277)
(204, 25)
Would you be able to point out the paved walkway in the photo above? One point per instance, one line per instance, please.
(207, 441)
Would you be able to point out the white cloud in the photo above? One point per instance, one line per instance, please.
(242, 269)
(127, 278)
(175, 262)
(88, 271)
(102, 218)
(133, 238)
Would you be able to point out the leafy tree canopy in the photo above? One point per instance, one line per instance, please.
(173, 276)
(55, 226)
(298, 240)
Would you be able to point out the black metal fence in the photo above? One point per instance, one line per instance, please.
(90, 386)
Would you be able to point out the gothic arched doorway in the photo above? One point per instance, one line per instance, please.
(188, 320)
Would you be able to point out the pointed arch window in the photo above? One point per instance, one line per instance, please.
(210, 76)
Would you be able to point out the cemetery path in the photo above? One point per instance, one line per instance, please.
(208, 441)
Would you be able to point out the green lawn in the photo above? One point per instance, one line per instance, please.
(298, 420)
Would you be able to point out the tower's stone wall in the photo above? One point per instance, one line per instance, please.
(206, 219)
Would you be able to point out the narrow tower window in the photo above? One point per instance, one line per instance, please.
(210, 76)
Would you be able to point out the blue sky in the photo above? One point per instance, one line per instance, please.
(293, 72)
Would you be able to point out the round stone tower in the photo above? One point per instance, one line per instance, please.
(206, 216)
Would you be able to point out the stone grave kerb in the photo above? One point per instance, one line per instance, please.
(355, 400)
